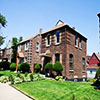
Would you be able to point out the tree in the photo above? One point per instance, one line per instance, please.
(15, 42)
(3, 22)
(14, 47)
(58, 68)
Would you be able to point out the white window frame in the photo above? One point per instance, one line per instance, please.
(76, 41)
(27, 45)
(37, 46)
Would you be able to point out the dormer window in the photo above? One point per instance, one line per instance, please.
(57, 37)
(76, 41)
(48, 40)
(37, 46)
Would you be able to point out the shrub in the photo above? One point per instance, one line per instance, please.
(49, 67)
(26, 73)
(13, 67)
(59, 78)
(5, 65)
(11, 78)
(18, 67)
(97, 76)
(31, 77)
(58, 68)
(17, 80)
(37, 67)
(4, 79)
(25, 67)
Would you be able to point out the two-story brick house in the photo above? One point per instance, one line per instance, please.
(63, 43)
(28, 51)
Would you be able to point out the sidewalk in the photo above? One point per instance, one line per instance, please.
(9, 93)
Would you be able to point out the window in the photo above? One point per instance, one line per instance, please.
(37, 46)
(93, 58)
(26, 45)
(91, 71)
(83, 62)
(76, 41)
(80, 45)
(19, 48)
(57, 57)
(48, 40)
(70, 62)
(57, 37)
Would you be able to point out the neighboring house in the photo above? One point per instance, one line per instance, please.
(63, 43)
(9, 50)
(28, 51)
(5, 54)
(92, 65)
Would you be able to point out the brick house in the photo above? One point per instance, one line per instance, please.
(92, 65)
(63, 43)
(28, 51)
(5, 54)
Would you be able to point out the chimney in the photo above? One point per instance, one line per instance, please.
(73, 28)
(40, 32)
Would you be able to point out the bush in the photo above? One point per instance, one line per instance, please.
(25, 67)
(4, 79)
(11, 78)
(97, 76)
(37, 67)
(26, 73)
(58, 68)
(59, 78)
(49, 67)
(5, 65)
(18, 67)
(13, 67)
(31, 77)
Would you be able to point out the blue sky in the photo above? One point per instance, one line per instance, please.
(26, 17)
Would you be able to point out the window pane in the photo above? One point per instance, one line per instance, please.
(57, 57)
(70, 62)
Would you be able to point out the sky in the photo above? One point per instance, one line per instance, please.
(26, 17)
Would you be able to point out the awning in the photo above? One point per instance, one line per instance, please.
(21, 55)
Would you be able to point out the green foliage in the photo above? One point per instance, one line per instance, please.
(3, 20)
(58, 67)
(26, 73)
(49, 66)
(4, 65)
(13, 67)
(20, 39)
(4, 79)
(25, 67)
(11, 78)
(37, 66)
(14, 47)
(31, 77)
(1, 40)
(18, 67)
(97, 76)
(59, 78)
(18, 75)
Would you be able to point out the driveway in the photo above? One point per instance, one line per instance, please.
(9, 93)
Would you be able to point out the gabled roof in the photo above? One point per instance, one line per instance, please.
(29, 38)
(60, 26)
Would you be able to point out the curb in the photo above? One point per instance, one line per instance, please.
(22, 92)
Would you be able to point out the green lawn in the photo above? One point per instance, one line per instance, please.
(7, 73)
(59, 90)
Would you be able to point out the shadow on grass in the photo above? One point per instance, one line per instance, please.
(96, 85)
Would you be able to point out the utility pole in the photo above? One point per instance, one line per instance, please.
(99, 26)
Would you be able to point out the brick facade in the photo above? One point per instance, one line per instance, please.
(64, 48)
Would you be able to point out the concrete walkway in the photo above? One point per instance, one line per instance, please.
(9, 93)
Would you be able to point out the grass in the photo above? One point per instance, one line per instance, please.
(7, 73)
(59, 90)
